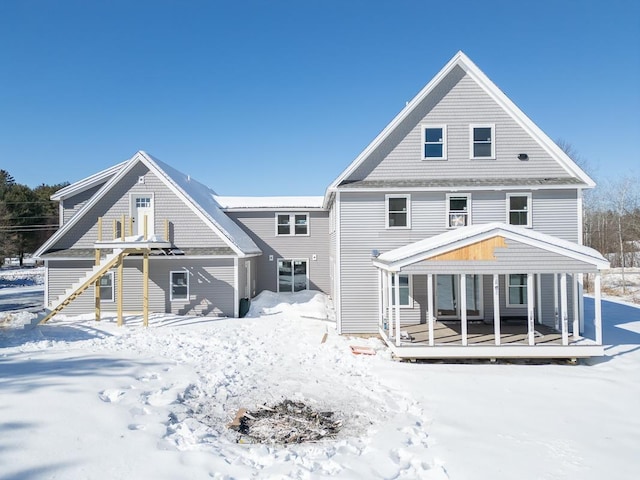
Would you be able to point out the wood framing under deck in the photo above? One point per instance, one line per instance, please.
(481, 342)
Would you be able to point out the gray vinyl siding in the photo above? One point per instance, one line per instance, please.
(186, 228)
(73, 204)
(261, 227)
(362, 227)
(211, 290)
(458, 102)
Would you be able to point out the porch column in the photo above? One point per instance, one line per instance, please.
(463, 307)
(145, 287)
(576, 312)
(380, 298)
(530, 311)
(496, 307)
(539, 297)
(397, 297)
(563, 309)
(598, 309)
(556, 313)
(430, 307)
(581, 302)
(390, 311)
(119, 290)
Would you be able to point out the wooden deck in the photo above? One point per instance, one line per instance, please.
(514, 342)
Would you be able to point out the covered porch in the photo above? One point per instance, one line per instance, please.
(488, 291)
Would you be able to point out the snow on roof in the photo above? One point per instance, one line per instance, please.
(408, 253)
(203, 199)
(269, 202)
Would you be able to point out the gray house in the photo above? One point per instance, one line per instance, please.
(455, 233)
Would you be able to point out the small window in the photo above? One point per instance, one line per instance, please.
(404, 282)
(434, 141)
(106, 287)
(483, 143)
(143, 202)
(519, 209)
(292, 224)
(398, 211)
(516, 289)
(458, 210)
(179, 285)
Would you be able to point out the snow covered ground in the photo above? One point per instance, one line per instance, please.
(85, 399)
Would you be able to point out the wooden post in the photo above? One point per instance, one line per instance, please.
(131, 226)
(463, 307)
(564, 318)
(430, 307)
(496, 308)
(122, 232)
(120, 281)
(115, 229)
(97, 284)
(597, 321)
(145, 231)
(397, 295)
(166, 229)
(530, 311)
(145, 288)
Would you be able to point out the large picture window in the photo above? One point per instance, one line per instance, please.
(293, 275)
(179, 285)
(398, 211)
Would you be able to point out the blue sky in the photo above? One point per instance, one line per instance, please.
(278, 97)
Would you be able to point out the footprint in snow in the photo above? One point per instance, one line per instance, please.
(111, 395)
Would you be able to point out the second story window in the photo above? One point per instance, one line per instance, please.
(458, 210)
(398, 211)
(434, 141)
(483, 143)
(519, 209)
(292, 224)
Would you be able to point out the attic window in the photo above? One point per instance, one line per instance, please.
(434, 142)
(483, 143)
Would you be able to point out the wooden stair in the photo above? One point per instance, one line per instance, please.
(83, 283)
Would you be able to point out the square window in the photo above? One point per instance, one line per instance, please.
(398, 211)
(434, 140)
(482, 141)
(179, 285)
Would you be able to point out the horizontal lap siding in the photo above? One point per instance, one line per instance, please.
(261, 227)
(555, 212)
(210, 286)
(187, 229)
(464, 103)
(73, 204)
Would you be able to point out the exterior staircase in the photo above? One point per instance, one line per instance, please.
(81, 285)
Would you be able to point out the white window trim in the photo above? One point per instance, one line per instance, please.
(171, 286)
(449, 196)
(444, 141)
(411, 302)
(113, 288)
(493, 140)
(529, 207)
(283, 259)
(506, 286)
(386, 211)
(292, 224)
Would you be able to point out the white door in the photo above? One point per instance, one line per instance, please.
(143, 206)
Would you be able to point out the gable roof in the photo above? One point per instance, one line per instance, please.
(460, 237)
(198, 197)
(470, 68)
(88, 182)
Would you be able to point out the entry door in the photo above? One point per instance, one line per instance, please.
(143, 205)
(293, 275)
(448, 296)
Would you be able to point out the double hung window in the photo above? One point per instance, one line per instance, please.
(398, 211)
(434, 142)
(292, 224)
(519, 209)
(483, 143)
(179, 285)
(458, 210)
(404, 284)
(516, 289)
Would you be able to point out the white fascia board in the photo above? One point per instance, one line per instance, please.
(273, 209)
(87, 183)
(463, 188)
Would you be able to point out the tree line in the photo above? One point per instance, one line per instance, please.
(28, 217)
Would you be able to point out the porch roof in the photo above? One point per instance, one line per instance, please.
(435, 247)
